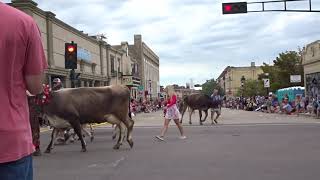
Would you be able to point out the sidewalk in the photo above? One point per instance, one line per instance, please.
(228, 116)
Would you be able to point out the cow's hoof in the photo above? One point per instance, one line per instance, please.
(190, 123)
(130, 143)
(83, 149)
(47, 151)
(117, 146)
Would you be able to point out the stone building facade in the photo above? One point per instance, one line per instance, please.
(55, 33)
(99, 63)
(148, 67)
(230, 78)
(126, 69)
(311, 66)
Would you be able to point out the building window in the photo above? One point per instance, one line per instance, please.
(119, 65)
(81, 65)
(112, 63)
(93, 68)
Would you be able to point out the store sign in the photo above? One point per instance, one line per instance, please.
(295, 78)
(84, 54)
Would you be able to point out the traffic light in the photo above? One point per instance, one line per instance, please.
(234, 8)
(70, 55)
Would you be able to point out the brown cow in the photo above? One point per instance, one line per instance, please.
(77, 106)
(199, 102)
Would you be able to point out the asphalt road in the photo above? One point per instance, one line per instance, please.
(242, 151)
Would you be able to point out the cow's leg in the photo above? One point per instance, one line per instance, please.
(129, 124)
(119, 142)
(77, 129)
(200, 115)
(115, 120)
(87, 132)
(205, 117)
(190, 114)
(53, 137)
(183, 111)
(114, 132)
(92, 132)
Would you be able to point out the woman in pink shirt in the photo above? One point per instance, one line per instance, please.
(172, 112)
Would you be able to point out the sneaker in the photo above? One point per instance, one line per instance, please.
(183, 137)
(160, 138)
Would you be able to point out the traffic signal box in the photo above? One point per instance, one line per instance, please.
(70, 55)
(234, 8)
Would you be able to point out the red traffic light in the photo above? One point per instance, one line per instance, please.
(227, 8)
(234, 8)
(71, 55)
(71, 48)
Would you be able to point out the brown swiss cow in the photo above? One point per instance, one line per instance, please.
(77, 106)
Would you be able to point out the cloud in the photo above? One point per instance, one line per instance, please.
(192, 37)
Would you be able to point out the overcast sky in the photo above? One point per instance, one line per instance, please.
(192, 37)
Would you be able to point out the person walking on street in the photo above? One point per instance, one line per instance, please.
(172, 112)
(22, 66)
(216, 98)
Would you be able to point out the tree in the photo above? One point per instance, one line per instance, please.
(207, 87)
(252, 88)
(286, 64)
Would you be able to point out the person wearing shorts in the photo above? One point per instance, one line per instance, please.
(172, 112)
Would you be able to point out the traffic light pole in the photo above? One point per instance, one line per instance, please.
(284, 6)
(242, 7)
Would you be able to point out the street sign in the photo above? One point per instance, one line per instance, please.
(295, 78)
(266, 83)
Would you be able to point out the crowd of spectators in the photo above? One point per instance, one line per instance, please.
(271, 104)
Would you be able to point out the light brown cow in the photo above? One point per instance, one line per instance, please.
(77, 106)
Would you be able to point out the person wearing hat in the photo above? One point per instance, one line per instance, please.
(57, 84)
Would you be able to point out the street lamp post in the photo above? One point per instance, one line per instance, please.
(243, 79)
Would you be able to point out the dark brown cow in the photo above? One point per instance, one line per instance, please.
(199, 102)
(77, 106)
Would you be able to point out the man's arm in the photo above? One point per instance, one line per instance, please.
(35, 62)
(34, 83)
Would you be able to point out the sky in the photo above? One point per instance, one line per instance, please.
(192, 37)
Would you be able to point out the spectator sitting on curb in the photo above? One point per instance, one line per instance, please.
(317, 107)
(310, 106)
(287, 108)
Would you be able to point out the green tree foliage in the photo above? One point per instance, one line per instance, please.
(286, 64)
(252, 88)
(207, 87)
